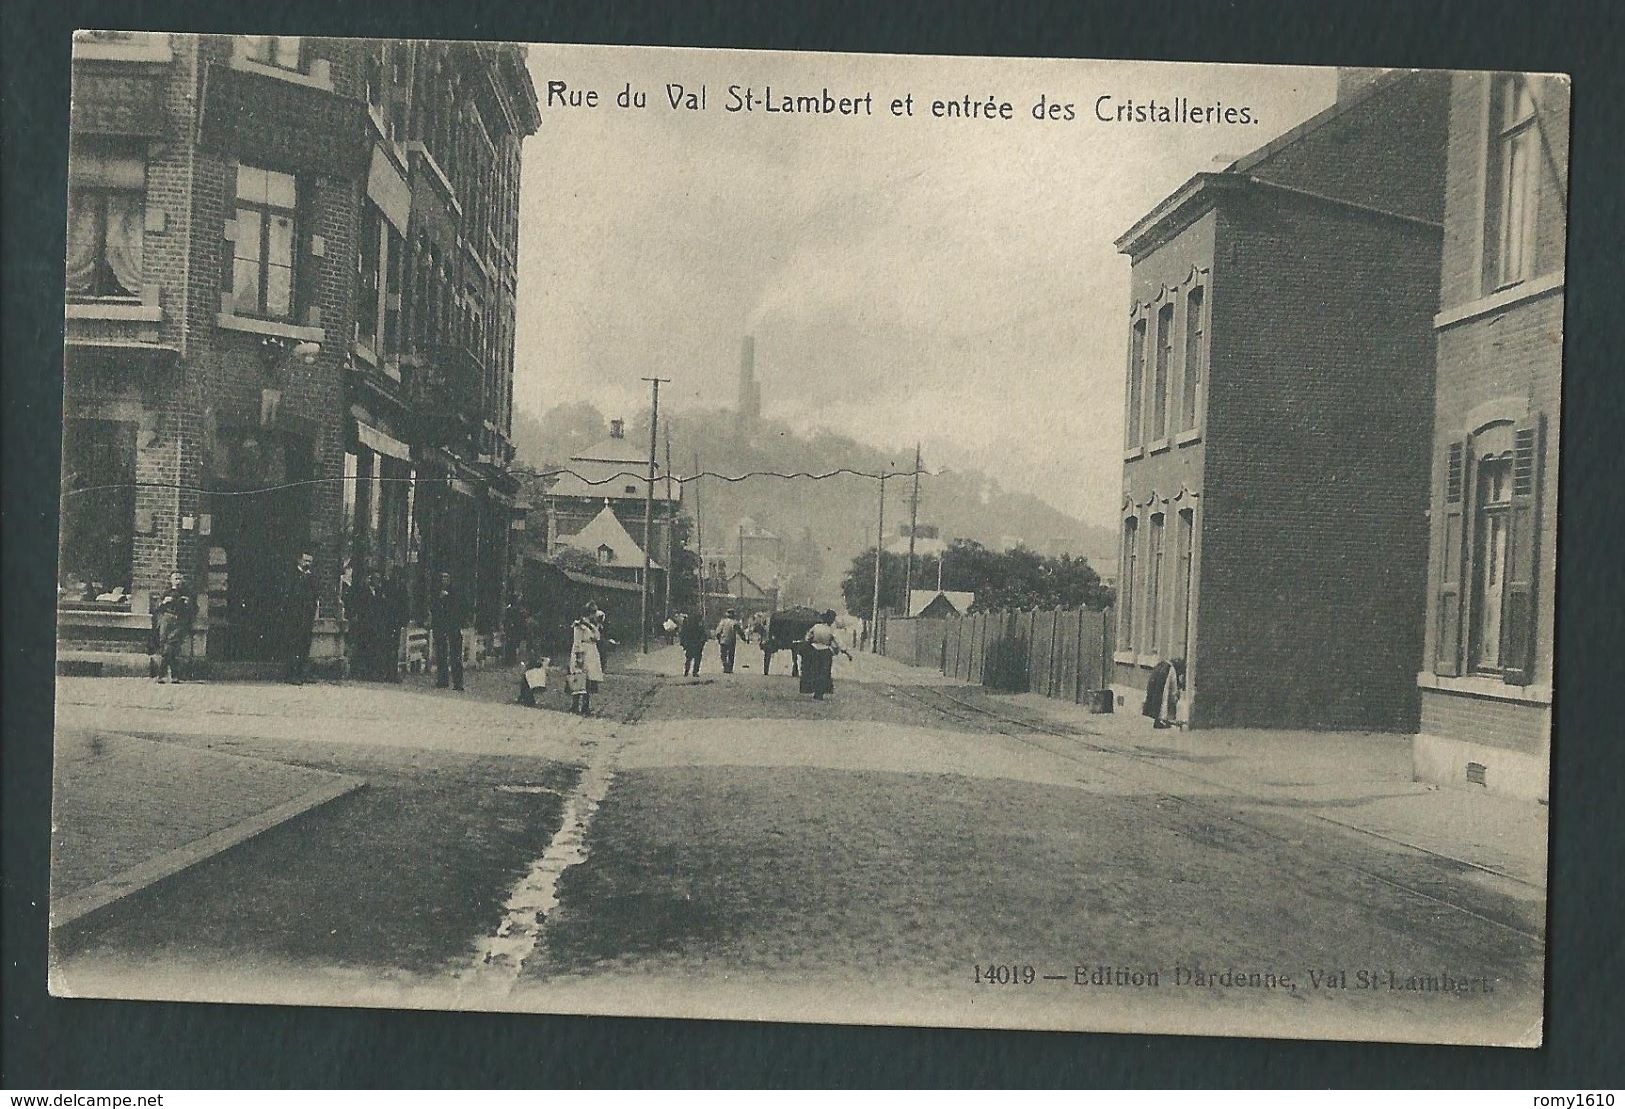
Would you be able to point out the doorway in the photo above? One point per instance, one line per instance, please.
(262, 504)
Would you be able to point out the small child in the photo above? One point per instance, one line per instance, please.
(577, 684)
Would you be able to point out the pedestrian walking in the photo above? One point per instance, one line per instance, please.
(447, 614)
(300, 597)
(1163, 692)
(586, 672)
(729, 632)
(694, 638)
(818, 657)
(172, 620)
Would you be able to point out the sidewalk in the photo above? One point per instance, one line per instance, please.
(127, 812)
(483, 720)
(130, 809)
(1359, 780)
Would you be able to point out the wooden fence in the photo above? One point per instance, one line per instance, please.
(1061, 653)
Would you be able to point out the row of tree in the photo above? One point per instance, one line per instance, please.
(1017, 578)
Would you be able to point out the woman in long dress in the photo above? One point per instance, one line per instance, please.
(819, 646)
(586, 665)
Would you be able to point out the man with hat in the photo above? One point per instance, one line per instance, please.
(729, 632)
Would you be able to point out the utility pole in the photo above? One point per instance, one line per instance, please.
(913, 520)
(699, 534)
(648, 512)
(880, 536)
(671, 526)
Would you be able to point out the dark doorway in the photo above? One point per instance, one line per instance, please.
(262, 499)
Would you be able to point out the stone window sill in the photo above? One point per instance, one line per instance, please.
(1489, 688)
(114, 310)
(1500, 300)
(1186, 438)
(1132, 453)
(320, 77)
(274, 328)
(1158, 446)
(105, 613)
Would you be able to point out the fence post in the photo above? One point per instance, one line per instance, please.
(1055, 641)
(1077, 662)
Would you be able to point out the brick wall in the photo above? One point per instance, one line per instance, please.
(1505, 724)
(228, 369)
(1385, 150)
(1503, 363)
(1153, 482)
(1315, 536)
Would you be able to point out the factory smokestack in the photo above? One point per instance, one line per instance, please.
(748, 408)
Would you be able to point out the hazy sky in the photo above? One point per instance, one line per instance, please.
(951, 280)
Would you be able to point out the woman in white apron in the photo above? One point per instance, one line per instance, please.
(586, 665)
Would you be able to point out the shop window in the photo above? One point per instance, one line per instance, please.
(1513, 183)
(1192, 366)
(265, 247)
(98, 511)
(107, 211)
(1136, 383)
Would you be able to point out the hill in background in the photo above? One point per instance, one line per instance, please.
(825, 523)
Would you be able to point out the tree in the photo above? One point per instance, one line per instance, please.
(574, 558)
(1019, 578)
(858, 584)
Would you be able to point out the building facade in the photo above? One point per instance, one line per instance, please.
(1279, 398)
(1486, 674)
(243, 380)
(614, 473)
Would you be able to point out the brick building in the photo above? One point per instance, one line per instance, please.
(614, 473)
(251, 353)
(1279, 399)
(1486, 677)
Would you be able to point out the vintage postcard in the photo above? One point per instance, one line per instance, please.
(809, 537)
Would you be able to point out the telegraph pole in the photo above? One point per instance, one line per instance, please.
(648, 512)
(880, 535)
(671, 526)
(699, 534)
(913, 520)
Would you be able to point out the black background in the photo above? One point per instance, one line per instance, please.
(67, 1044)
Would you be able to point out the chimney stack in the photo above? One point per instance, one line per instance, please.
(617, 429)
(748, 408)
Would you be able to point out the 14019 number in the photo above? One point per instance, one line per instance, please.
(1005, 974)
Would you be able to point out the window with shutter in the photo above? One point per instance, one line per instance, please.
(1447, 637)
(1522, 555)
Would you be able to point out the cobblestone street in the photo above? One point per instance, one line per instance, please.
(725, 846)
